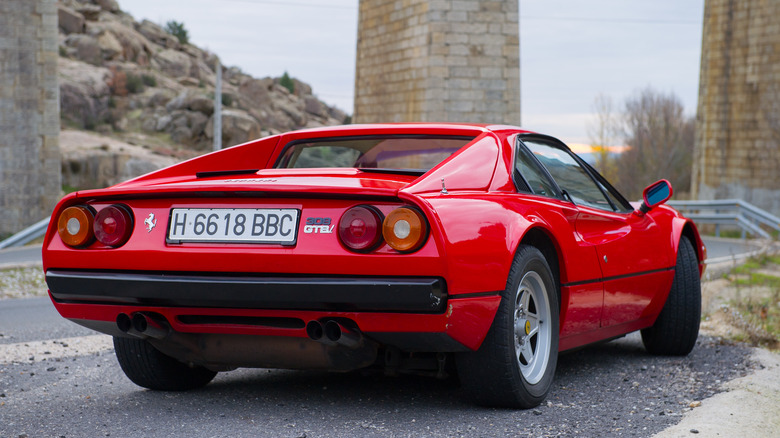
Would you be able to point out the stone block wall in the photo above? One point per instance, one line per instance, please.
(737, 153)
(438, 61)
(29, 113)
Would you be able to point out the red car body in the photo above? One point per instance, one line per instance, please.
(248, 304)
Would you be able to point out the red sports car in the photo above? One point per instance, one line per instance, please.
(413, 247)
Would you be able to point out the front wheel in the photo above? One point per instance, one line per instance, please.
(675, 331)
(515, 364)
(146, 366)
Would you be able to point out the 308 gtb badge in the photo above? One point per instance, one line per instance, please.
(318, 225)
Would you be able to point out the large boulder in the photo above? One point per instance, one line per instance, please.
(194, 100)
(256, 93)
(292, 109)
(84, 47)
(110, 48)
(69, 20)
(89, 11)
(157, 35)
(237, 127)
(90, 160)
(107, 5)
(172, 62)
(84, 92)
(312, 105)
(133, 46)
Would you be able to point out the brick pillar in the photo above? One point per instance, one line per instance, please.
(737, 153)
(438, 61)
(29, 112)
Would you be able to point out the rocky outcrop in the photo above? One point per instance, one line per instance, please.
(93, 160)
(119, 76)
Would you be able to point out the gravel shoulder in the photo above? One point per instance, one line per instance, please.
(750, 405)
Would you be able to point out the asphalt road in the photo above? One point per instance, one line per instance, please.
(20, 255)
(615, 389)
(51, 385)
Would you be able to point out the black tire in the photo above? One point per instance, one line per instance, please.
(515, 365)
(675, 331)
(146, 366)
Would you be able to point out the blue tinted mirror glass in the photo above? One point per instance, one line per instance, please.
(657, 194)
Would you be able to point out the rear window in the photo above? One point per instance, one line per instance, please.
(390, 153)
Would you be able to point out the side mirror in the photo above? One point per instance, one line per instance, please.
(655, 195)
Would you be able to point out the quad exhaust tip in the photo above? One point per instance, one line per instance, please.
(333, 333)
(143, 325)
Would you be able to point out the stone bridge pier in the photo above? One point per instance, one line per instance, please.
(438, 61)
(29, 113)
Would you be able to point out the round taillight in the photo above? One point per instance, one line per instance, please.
(360, 228)
(113, 225)
(75, 226)
(405, 229)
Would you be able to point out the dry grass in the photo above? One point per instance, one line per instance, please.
(745, 304)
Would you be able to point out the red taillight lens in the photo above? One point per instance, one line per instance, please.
(113, 225)
(360, 228)
(405, 229)
(75, 226)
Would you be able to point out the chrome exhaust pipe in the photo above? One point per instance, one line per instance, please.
(151, 326)
(341, 335)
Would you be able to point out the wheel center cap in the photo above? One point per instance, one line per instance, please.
(527, 327)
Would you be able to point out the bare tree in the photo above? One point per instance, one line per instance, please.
(660, 139)
(603, 133)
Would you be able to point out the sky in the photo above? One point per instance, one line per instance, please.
(570, 50)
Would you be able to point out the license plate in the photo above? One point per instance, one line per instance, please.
(236, 225)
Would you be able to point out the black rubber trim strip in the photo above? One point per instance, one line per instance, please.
(617, 277)
(348, 294)
(475, 295)
(210, 173)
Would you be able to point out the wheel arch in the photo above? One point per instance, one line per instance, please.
(544, 241)
(686, 227)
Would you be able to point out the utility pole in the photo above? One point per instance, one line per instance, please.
(218, 108)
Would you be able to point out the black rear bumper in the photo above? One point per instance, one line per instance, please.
(340, 294)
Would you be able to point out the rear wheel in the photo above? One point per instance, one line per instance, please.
(146, 366)
(677, 327)
(515, 365)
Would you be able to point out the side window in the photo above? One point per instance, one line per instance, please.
(569, 175)
(532, 174)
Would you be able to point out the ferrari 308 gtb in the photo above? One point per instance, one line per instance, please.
(430, 248)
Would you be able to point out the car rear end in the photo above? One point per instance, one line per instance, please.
(291, 268)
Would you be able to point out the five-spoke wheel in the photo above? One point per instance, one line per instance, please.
(515, 365)
(532, 332)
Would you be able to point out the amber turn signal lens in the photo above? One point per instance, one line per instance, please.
(113, 225)
(75, 226)
(405, 229)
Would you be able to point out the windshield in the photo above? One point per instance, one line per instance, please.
(417, 154)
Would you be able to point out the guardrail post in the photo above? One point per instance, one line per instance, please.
(717, 226)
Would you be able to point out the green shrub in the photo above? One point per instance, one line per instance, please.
(90, 123)
(287, 82)
(135, 84)
(227, 99)
(149, 80)
(177, 29)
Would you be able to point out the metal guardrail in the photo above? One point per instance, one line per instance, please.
(27, 235)
(736, 212)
